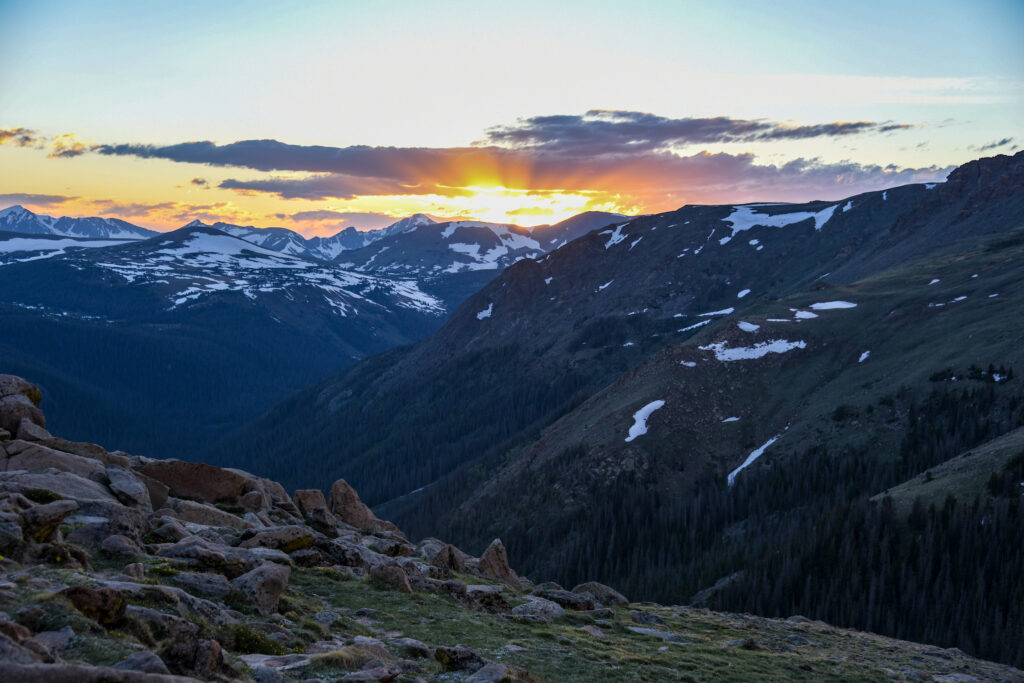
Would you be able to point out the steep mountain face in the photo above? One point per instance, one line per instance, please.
(126, 569)
(194, 327)
(20, 220)
(703, 386)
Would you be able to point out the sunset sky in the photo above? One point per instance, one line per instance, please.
(337, 114)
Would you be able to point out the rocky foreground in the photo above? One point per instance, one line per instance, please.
(123, 568)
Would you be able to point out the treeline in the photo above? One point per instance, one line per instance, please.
(800, 536)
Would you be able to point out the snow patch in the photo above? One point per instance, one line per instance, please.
(548, 280)
(831, 305)
(742, 293)
(640, 417)
(694, 326)
(847, 206)
(864, 356)
(724, 311)
(600, 287)
(752, 457)
(730, 419)
(486, 313)
(688, 363)
(617, 235)
(635, 242)
(748, 327)
(935, 281)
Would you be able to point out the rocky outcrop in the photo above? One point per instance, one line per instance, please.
(494, 564)
(113, 558)
(345, 503)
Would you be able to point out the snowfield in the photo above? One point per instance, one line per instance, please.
(759, 350)
(744, 218)
(639, 427)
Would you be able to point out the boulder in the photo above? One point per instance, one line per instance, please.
(411, 647)
(346, 504)
(12, 385)
(42, 522)
(253, 501)
(308, 500)
(207, 515)
(390, 577)
(285, 538)
(487, 598)
(30, 431)
(205, 584)
(537, 609)
(196, 480)
(264, 585)
(491, 672)
(602, 593)
(33, 457)
(206, 554)
(494, 564)
(459, 658)
(188, 655)
(103, 605)
(59, 484)
(144, 661)
(120, 546)
(646, 618)
(86, 450)
(11, 651)
(567, 599)
(13, 672)
(128, 488)
(10, 536)
(14, 408)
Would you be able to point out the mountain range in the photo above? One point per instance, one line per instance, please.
(715, 393)
(207, 326)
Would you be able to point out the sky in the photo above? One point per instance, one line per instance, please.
(319, 115)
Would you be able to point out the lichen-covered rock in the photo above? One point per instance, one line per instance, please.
(13, 672)
(346, 504)
(494, 564)
(42, 522)
(264, 585)
(602, 593)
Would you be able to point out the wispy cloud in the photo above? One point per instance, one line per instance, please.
(993, 145)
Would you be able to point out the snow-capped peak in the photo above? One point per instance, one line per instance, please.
(16, 211)
(196, 224)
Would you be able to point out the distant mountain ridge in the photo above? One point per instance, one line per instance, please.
(20, 220)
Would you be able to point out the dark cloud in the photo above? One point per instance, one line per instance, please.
(610, 132)
(13, 198)
(201, 182)
(634, 154)
(22, 137)
(994, 145)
